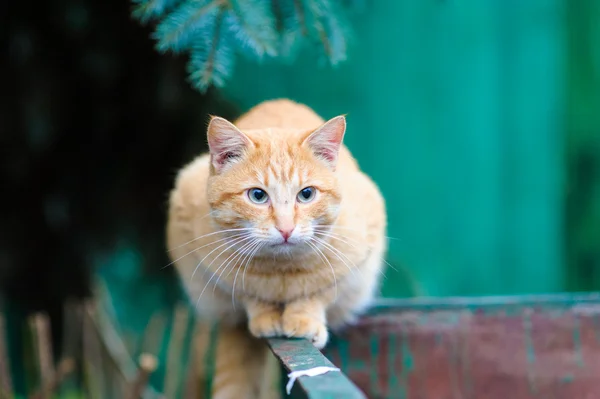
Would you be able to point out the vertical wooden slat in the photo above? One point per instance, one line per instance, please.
(153, 335)
(147, 365)
(192, 389)
(40, 324)
(92, 358)
(173, 371)
(199, 379)
(65, 367)
(5, 375)
(72, 344)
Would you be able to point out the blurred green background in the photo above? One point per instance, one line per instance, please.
(479, 120)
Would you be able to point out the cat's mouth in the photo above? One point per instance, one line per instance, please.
(284, 244)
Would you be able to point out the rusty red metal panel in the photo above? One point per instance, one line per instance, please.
(493, 348)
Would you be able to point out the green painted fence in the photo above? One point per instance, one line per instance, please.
(458, 111)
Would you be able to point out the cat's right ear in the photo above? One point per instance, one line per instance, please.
(227, 144)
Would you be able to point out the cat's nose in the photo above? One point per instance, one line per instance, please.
(286, 232)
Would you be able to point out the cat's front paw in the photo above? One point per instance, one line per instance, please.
(266, 324)
(303, 325)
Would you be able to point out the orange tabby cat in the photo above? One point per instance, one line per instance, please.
(275, 231)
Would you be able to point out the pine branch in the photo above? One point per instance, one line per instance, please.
(329, 29)
(252, 24)
(213, 31)
(183, 26)
(294, 29)
(147, 10)
(301, 18)
(212, 59)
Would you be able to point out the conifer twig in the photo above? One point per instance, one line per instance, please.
(301, 17)
(192, 19)
(5, 377)
(210, 62)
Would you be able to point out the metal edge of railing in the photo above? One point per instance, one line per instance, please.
(300, 354)
(452, 302)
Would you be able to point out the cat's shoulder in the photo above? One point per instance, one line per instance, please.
(191, 180)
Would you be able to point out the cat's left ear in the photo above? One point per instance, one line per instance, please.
(325, 142)
(227, 144)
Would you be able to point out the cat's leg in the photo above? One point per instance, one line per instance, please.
(306, 319)
(264, 319)
(244, 367)
(355, 294)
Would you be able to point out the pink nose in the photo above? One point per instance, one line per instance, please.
(286, 232)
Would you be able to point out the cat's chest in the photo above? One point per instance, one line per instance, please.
(286, 287)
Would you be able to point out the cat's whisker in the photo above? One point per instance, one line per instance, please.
(244, 258)
(323, 257)
(211, 234)
(331, 226)
(247, 263)
(244, 262)
(216, 271)
(238, 253)
(202, 246)
(337, 253)
(335, 237)
(340, 238)
(198, 218)
(260, 239)
(234, 241)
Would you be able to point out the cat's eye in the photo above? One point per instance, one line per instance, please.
(258, 196)
(307, 194)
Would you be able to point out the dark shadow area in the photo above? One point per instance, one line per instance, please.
(94, 123)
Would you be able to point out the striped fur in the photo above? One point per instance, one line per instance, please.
(234, 261)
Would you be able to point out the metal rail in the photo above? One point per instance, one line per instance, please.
(300, 354)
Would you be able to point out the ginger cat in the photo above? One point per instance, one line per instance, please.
(277, 232)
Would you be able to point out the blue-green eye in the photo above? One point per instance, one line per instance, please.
(258, 196)
(307, 194)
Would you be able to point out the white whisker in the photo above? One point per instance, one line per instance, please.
(216, 271)
(246, 266)
(202, 246)
(238, 253)
(258, 244)
(338, 237)
(210, 234)
(361, 231)
(323, 257)
(235, 241)
(337, 253)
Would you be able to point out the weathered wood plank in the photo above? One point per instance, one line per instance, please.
(526, 347)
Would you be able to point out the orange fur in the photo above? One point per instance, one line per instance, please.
(327, 272)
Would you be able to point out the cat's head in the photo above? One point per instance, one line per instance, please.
(274, 188)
